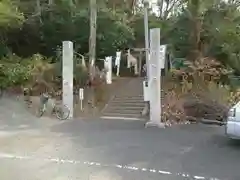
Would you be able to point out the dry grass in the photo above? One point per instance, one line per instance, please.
(198, 95)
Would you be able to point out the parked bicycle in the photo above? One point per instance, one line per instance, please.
(61, 111)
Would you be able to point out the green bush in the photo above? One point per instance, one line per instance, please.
(14, 71)
(13, 74)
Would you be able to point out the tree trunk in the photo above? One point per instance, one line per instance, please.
(195, 52)
(196, 27)
(50, 2)
(38, 7)
(92, 44)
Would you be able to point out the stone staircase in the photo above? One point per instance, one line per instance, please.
(127, 103)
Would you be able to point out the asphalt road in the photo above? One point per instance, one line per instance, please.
(37, 149)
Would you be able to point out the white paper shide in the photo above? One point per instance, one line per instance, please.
(108, 67)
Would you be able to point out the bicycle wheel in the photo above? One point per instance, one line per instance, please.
(62, 112)
(40, 112)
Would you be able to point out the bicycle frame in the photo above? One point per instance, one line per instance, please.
(43, 106)
(44, 100)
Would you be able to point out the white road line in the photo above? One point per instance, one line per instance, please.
(90, 163)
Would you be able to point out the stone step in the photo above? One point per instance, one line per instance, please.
(127, 95)
(137, 99)
(116, 117)
(118, 107)
(131, 97)
(131, 92)
(114, 114)
(128, 98)
(121, 111)
(126, 104)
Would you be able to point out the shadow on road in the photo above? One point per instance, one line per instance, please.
(195, 149)
(234, 143)
(15, 116)
(198, 149)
